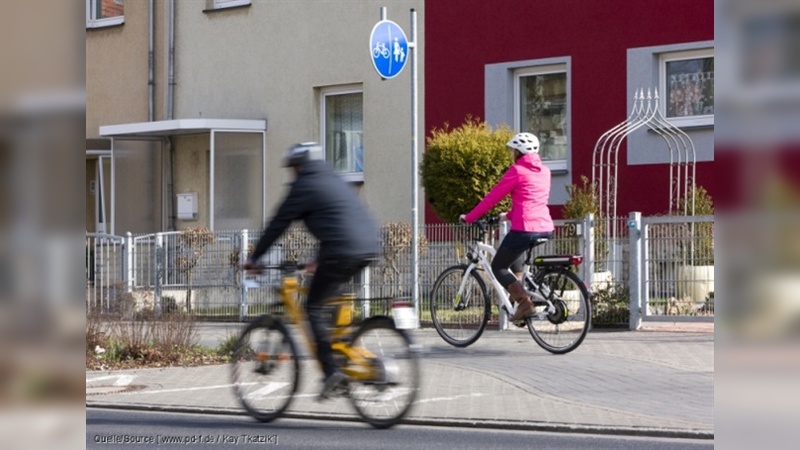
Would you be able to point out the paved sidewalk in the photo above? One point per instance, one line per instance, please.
(655, 383)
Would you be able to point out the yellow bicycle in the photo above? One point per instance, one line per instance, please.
(376, 354)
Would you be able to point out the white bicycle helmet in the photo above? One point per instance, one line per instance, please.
(524, 143)
(301, 153)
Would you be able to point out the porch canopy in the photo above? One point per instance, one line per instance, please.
(160, 130)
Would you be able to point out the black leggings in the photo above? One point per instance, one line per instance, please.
(329, 278)
(511, 254)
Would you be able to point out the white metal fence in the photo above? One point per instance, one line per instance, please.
(644, 266)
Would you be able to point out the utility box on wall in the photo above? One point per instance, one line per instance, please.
(187, 206)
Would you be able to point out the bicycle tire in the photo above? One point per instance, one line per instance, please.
(459, 328)
(564, 330)
(383, 402)
(266, 368)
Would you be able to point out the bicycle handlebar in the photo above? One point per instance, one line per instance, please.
(484, 223)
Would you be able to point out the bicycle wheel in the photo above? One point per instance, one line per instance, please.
(563, 330)
(266, 370)
(384, 399)
(460, 321)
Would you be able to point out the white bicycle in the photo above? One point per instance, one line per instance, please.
(461, 307)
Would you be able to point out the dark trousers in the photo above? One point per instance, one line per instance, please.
(329, 279)
(511, 254)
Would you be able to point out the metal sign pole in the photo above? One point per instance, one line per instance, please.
(412, 46)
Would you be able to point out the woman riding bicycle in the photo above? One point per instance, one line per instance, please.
(528, 183)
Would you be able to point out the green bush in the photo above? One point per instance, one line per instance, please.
(461, 165)
(582, 200)
(611, 306)
(699, 247)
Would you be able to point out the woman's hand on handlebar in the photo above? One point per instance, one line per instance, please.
(462, 218)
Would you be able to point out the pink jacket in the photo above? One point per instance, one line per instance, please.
(528, 182)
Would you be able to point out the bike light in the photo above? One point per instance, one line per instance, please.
(575, 260)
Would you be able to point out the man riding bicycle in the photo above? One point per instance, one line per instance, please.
(348, 235)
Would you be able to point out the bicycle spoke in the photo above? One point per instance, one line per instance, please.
(459, 321)
(564, 328)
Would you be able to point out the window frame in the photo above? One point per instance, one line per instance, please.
(681, 55)
(94, 22)
(557, 165)
(324, 93)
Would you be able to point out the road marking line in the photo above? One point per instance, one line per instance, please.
(266, 390)
(161, 391)
(444, 399)
(121, 380)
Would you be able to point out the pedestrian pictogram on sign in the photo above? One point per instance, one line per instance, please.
(389, 48)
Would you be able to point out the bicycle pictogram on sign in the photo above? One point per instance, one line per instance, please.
(389, 48)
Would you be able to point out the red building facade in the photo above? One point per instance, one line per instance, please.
(608, 49)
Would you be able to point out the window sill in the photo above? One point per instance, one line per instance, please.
(227, 7)
(106, 23)
(697, 127)
(556, 167)
(352, 177)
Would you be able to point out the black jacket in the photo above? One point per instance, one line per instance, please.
(331, 211)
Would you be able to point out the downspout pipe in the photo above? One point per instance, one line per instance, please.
(170, 101)
(151, 92)
(171, 73)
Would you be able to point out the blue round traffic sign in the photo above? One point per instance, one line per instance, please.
(389, 48)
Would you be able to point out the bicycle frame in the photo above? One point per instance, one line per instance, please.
(289, 290)
(479, 259)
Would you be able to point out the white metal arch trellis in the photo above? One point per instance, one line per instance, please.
(645, 112)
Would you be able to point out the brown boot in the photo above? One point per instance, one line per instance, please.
(518, 294)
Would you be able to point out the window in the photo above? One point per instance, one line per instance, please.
(221, 4)
(687, 84)
(104, 13)
(342, 130)
(540, 107)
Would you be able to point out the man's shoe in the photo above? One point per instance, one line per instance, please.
(335, 383)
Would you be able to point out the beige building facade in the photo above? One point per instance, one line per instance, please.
(196, 101)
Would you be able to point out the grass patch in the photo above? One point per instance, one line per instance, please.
(146, 341)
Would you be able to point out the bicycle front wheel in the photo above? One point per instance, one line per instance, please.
(385, 397)
(265, 368)
(564, 329)
(460, 319)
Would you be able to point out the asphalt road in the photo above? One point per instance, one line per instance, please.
(119, 429)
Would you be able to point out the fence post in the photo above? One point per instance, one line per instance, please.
(587, 249)
(365, 292)
(159, 268)
(636, 264)
(243, 307)
(503, 319)
(129, 258)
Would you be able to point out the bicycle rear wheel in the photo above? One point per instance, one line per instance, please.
(563, 330)
(265, 368)
(385, 398)
(460, 321)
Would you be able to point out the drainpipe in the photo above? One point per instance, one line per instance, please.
(170, 114)
(150, 63)
(171, 81)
